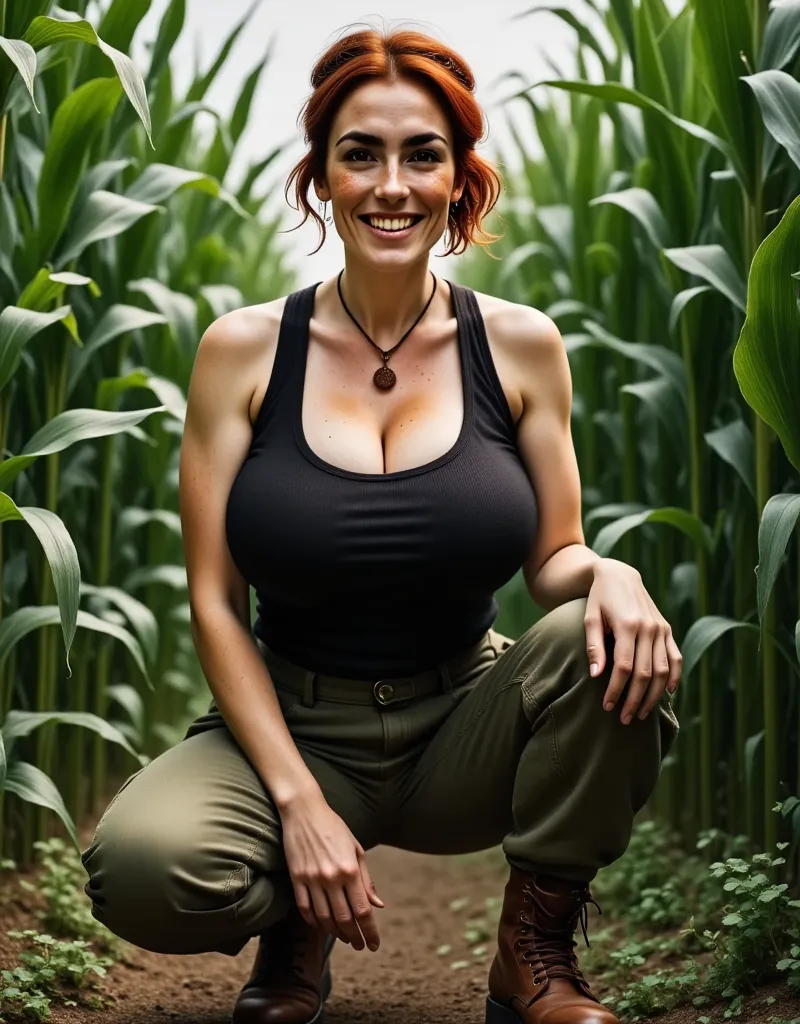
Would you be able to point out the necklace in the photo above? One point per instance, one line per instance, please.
(384, 377)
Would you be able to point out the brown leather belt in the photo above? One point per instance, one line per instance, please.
(321, 686)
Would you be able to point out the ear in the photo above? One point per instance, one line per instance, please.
(322, 191)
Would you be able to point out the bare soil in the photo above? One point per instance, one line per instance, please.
(404, 982)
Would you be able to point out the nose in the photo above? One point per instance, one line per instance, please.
(392, 187)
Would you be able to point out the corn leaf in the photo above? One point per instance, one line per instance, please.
(23, 56)
(687, 522)
(17, 327)
(778, 521)
(782, 37)
(778, 95)
(702, 634)
(62, 557)
(766, 360)
(712, 264)
(31, 784)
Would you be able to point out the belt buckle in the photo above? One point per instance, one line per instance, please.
(383, 692)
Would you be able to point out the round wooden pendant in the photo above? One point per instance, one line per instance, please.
(384, 378)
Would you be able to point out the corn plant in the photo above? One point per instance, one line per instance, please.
(119, 243)
(657, 223)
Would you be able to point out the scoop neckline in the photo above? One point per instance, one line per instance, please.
(400, 474)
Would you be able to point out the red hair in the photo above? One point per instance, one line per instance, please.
(369, 55)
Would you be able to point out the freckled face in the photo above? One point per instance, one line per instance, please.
(396, 175)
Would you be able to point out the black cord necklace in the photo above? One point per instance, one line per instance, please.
(384, 377)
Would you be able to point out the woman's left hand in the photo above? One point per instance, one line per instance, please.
(644, 648)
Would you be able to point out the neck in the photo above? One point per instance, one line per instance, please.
(386, 303)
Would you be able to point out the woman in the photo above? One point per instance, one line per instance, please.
(376, 492)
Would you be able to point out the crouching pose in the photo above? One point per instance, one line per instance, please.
(376, 454)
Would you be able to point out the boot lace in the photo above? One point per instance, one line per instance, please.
(553, 947)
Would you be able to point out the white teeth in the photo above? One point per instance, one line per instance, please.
(390, 225)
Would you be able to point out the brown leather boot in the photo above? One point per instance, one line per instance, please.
(535, 978)
(291, 976)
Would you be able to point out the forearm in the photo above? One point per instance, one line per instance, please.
(245, 695)
(566, 575)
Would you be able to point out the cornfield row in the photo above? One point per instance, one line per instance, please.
(659, 226)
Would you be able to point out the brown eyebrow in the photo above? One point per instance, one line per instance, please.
(375, 140)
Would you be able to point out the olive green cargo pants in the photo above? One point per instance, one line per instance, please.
(514, 748)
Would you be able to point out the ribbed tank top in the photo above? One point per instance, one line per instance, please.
(379, 575)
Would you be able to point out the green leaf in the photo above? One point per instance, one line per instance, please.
(77, 122)
(160, 182)
(657, 357)
(712, 264)
(618, 93)
(735, 445)
(777, 524)
(663, 400)
(778, 95)
(17, 327)
(104, 215)
(782, 37)
(681, 301)
(766, 360)
(642, 205)
(46, 31)
(140, 617)
(62, 557)
(723, 40)
(686, 522)
(23, 57)
(117, 320)
(23, 621)
(67, 429)
(702, 634)
(23, 723)
(34, 787)
(179, 310)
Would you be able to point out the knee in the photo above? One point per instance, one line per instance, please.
(153, 881)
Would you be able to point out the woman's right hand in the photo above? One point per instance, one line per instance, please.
(333, 888)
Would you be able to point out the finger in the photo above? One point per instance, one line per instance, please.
(675, 663)
(302, 898)
(660, 675)
(358, 895)
(642, 673)
(369, 885)
(595, 641)
(624, 648)
(343, 914)
(322, 909)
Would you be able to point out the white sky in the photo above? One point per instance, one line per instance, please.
(484, 33)
(300, 30)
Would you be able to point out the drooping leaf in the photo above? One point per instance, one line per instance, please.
(62, 557)
(31, 784)
(702, 634)
(642, 205)
(67, 429)
(680, 518)
(712, 264)
(778, 95)
(766, 360)
(782, 37)
(23, 723)
(734, 444)
(778, 521)
(17, 327)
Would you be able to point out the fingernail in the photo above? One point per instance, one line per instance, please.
(593, 669)
(608, 706)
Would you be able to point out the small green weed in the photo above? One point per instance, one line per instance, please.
(30, 989)
(68, 912)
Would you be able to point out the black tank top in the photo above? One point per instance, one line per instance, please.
(379, 575)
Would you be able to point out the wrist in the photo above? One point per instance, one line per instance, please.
(289, 797)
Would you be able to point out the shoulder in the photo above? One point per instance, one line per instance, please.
(240, 330)
(517, 325)
(528, 341)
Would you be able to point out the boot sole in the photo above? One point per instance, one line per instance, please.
(496, 1013)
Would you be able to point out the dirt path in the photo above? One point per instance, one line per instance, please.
(404, 982)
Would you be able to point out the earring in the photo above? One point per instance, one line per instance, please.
(323, 212)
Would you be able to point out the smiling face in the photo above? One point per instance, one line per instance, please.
(390, 155)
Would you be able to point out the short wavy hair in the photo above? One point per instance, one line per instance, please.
(372, 54)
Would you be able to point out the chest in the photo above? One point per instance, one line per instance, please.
(350, 423)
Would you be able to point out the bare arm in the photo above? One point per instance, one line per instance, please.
(216, 438)
(327, 864)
